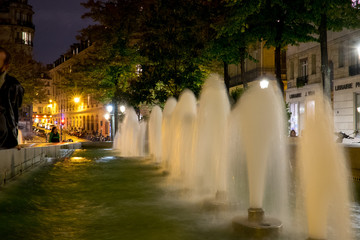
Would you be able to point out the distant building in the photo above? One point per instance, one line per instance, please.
(304, 79)
(42, 110)
(17, 34)
(16, 26)
(72, 108)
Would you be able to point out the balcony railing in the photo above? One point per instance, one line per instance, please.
(302, 81)
(354, 70)
(250, 75)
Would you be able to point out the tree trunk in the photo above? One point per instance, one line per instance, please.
(242, 68)
(226, 77)
(116, 118)
(278, 68)
(325, 73)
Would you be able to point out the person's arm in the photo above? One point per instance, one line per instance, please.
(51, 136)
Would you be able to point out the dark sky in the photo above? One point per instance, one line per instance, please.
(57, 23)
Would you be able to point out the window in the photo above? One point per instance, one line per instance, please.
(303, 67)
(341, 56)
(292, 70)
(357, 111)
(313, 64)
(26, 38)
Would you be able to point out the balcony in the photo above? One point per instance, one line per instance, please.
(302, 81)
(250, 75)
(26, 24)
(354, 70)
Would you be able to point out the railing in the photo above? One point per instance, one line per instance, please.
(354, 70)
(302, 81)
(250, 76)
(26, 24)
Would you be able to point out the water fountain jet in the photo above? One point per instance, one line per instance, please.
(260, 107)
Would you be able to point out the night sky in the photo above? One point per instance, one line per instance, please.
(57, 22)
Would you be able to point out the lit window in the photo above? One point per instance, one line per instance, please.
(26, 38)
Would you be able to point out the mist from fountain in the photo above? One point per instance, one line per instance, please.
(244, 154)
(208, 175)
(130, 140)
(155, 122)
(323, 175)
(182, 125)
(261, 125)
(166, 132)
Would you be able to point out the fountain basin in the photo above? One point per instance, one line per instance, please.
(256, 224)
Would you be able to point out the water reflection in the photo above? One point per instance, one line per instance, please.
(94, 195)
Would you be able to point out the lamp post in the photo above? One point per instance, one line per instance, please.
(109, 116)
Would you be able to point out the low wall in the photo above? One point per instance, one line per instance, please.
(14, 162)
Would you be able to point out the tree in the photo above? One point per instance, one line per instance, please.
(28, 72)
(172, 42)
(333, 15)
(110, 64)
(230, 36)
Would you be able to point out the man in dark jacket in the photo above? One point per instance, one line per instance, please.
(11, 95)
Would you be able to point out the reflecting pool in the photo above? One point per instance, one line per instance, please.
(94, 195)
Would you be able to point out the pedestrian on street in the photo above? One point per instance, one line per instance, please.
(11, 96)
(54, 135)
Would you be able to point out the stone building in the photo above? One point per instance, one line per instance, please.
(263, 66)
(304, 79)
(73, 108)
(16, 26)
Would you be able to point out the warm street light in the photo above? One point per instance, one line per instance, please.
(264, 83)
(50, 100)
(122, 108)
(109, 108)
(76, 99)
(107, 116)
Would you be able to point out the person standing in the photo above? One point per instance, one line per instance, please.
(54, 135)
(11, 96)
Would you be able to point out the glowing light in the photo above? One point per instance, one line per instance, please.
(36, 120)
(264, 83)
(107, 116)
(358, 50)
(50, 100)
(109, 108)
(122, 108)
(50, 105)
(77, 100)
(37, 116)
(358, 109)
(44, 116)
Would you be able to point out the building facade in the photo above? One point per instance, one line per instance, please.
(304, 79)
(263, 66)
(71, 109)
(16, 26)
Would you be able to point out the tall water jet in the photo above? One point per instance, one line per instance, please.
(182, 122)
(155, 123)
(262, 121)
(128, 139)
(166, 131)
(210, 159)
(324, 174)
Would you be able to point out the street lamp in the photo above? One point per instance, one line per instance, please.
(122, 108)
(76, 99)
(108, 116)
(109, 108)
(264, 83)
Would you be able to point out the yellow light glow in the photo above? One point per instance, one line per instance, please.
(50, 100)
(50, 105)
(44, 116)
(107, 116)
(76, 99)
